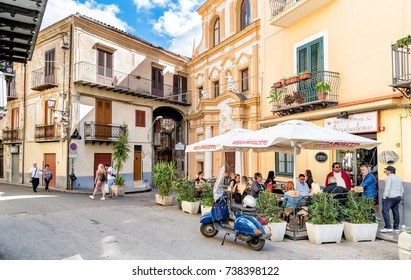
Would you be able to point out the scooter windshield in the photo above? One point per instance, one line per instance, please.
(218, 189)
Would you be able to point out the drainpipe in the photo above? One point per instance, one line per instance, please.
(24, 124)
(69, 182)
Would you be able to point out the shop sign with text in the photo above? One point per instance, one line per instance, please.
(356, 123)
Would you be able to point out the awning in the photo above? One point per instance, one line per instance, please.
(20, 22)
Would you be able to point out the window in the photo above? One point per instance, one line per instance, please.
(310, 57)
(245, 14)
(49, 69)
(200, 92)
(140, 118)
(48, 114)
(284, 164)
(217, 32)
(104, 66)
(216, 86)
(157, 82)
(179, 88)
(244, 80)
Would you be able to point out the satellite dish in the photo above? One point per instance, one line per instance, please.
(388, 157)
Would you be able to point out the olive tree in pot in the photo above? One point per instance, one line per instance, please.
(163, 178)
(323, 225)
(359, 218)
(121, 150)
(267, 203)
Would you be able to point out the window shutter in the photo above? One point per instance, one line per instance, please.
(140, 118)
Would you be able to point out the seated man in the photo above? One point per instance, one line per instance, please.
(332, 186)
(302, 186)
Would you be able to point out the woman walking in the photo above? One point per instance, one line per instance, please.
(47, 175)
(99, 181)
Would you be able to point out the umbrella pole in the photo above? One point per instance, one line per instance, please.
(295, 163)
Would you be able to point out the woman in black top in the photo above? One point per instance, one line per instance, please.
(309, 177)
(270, 179)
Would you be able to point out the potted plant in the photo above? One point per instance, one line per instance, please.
(190, 204)
(277, 84)
(298, 97)
(322, 88)
(206, 198)
(403, 42)
(288, 99)
(267, 203)
(180, 186)
(283, 80)
(163, 177)
(275, 96)
(292, 79)
(404, 245)
(121, 150)
(323, 225)
(304, 75)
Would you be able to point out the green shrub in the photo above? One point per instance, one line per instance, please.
(207, 197)
(323, 209)
(267, 203)
(357, 210)
(164, 175)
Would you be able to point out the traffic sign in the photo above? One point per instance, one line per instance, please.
(73, 146)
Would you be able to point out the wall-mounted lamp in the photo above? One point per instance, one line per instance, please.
(52, 103)
(343, 115)
(154, 121)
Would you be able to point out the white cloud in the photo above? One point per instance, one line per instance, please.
(148, 4)
(182, 23)
(59, 9)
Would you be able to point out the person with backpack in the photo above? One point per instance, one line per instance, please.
(47, 175)
(99, 181)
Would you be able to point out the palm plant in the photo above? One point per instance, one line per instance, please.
(121, 150)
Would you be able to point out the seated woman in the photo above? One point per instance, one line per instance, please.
(291, 197)
(241, 189)
(199, 182)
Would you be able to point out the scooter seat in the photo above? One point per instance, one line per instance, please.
(241, 208)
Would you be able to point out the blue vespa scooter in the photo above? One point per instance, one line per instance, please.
(244, 224)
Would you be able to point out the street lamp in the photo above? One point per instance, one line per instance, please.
(151, 127)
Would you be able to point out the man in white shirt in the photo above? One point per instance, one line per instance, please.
(111, 178)
(35, 176)
(342, 177)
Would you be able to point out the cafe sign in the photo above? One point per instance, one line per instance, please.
(356, 123)
(321, 157)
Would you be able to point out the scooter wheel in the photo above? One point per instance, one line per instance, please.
(256, 243)
(208, 230)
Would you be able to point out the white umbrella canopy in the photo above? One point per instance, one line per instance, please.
(297, 133)
(292, 135)
(219, 142)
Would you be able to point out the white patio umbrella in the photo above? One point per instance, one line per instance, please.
(219, 142)
(297, 134)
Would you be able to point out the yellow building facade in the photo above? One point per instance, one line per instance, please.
(226, 82)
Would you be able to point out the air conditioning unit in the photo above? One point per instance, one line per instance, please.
(157, 139)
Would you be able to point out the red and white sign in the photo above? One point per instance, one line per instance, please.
(357, 123)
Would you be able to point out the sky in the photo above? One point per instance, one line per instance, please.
(171, 24)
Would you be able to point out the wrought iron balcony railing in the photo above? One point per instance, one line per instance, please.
(302, 95)
(44, 78)
(47, 132)
(286, 12)
(12, 136)
(401, 68)
(131, 84)
(103, 132)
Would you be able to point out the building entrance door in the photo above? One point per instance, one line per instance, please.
(15, 168)
(50, 159)
(137, 163)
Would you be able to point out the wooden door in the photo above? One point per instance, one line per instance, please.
(137, 163)
(50, 159)
(103, 119)
(102, 158)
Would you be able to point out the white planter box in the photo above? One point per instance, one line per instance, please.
(360, 232)
(318, 234)
(118, 190)
(404, 246)
(190, 207)
(205, 209)
(278, 231)
(164, 200)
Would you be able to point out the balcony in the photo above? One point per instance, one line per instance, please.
(301, 96)
(401, 75)
(102, 133)
(12, 136)
(47, 133)
(44, 78)
(286, 12)
(129, 84)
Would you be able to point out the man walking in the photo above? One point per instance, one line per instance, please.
(342, 177)
(35, 176)
(393, 192)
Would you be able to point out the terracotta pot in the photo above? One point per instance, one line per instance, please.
(278, 84)
(322, 95)
(305, 76)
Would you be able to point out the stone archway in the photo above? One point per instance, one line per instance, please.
(169, 136)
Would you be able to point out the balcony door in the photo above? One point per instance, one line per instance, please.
(310, 58)
(49, 128)
(103, 119)
(157, 86)
(104, 67)
(50, 58)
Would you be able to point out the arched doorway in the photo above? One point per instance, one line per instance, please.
(169, 138)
